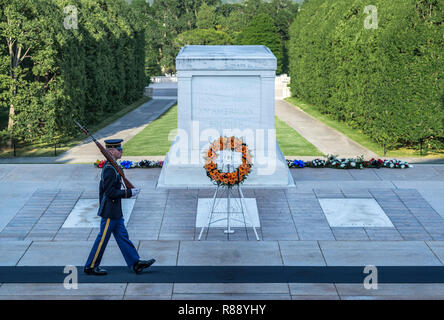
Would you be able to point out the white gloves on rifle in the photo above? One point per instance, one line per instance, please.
(135, 192)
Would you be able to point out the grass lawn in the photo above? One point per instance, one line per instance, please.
(45, 150)
(357, 135)
(153, 140)
(292, 143)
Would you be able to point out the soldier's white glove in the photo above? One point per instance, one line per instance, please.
(134, 192)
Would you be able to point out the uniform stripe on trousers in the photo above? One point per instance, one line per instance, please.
(100, 244)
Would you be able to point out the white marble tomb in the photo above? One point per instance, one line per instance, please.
(225, 91)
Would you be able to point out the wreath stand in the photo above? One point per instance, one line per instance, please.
(243, 207)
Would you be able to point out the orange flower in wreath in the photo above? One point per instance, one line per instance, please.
(227, 178)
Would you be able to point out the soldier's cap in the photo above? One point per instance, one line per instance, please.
(113, 143)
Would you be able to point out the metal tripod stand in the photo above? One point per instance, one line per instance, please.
(243, 204)
(243, 209)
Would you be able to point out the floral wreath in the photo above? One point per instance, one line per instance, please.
(228, 179)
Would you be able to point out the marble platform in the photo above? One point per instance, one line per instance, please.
(220, 212)
(354, 213)
(84, 214)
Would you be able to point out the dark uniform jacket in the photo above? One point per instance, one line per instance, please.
(111, 193)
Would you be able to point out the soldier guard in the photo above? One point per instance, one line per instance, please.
(112, 221)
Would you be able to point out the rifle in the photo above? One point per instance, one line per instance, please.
(107, 155)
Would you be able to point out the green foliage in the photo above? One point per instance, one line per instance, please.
(261, 31)
(283, 13)
(29, 86)
(203, 37)
(174, 17)
(153, 42)
(386, 81)
(233, 23)
(53, 74)
(206, 17)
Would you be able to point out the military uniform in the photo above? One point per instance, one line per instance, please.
(112, 221)
(111, 194)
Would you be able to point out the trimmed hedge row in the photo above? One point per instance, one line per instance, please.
(388, 81)
(82, 73)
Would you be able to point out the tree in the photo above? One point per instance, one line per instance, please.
(153, 43)
(253, 7)
(235, 22)
(173, 18)
(225, 9)
(206, 17)
(50, 75)
(32, 49)
(261, 31)
(386, 82)
(283, 13)
(203, 37)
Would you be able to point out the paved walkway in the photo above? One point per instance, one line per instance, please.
(37, 199)
(125, 128)
(326, 139)
(163, 90)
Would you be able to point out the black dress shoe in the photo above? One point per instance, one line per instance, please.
(97, 271)
(142, 264)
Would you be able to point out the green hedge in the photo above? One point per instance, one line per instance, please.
(81, 73)
(262, 31)
(203, 37)
(388, 81)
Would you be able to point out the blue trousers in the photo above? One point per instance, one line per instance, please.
(117, 228)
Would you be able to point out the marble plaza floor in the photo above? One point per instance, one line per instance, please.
(341, 218)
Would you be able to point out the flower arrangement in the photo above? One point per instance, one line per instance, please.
(100, 164)
(127, 164)
(349, 163)
(331, 162)
(228, 179)
(296, 163)
(150, 164)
